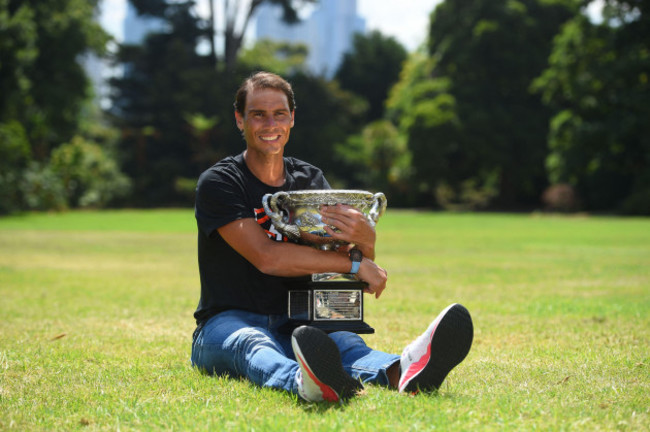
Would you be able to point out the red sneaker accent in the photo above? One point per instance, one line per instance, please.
(328, 393)
(417, 366)
(446, 343)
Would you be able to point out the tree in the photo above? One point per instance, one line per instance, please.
(43, 89)
(41, 81)
(597, 82)
(418, 104)
(378, 160)
(89, 176)
(167, 85)
(15, 155)
(474, 118)
(371, 68)
(279, 57)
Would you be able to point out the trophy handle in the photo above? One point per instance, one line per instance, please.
(378, 206)
(270, 204)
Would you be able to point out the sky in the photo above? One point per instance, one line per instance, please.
(406, 24)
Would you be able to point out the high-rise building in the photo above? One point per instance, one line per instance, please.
(328, 32)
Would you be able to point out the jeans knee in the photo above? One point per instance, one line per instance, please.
(349, 342)
(250, 340)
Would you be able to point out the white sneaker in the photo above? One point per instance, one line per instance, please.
(427, 360)
(321, 375)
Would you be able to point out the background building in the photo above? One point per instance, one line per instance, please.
(328, 32)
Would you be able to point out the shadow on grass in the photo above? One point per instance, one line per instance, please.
(387, 393)
(320, 407)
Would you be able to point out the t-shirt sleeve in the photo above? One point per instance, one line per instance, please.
(219, 201)
(320, 182)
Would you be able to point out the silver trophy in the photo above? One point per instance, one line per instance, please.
(330, 301)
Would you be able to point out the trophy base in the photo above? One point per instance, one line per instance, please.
(359, 327)
(328, 305)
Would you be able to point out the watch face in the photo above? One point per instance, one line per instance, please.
(356, 255)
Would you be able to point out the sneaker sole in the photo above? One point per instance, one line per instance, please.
(320, 358)
(450, 343)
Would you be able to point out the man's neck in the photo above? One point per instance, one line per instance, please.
(269, 169)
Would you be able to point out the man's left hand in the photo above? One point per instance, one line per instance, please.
(353, 227)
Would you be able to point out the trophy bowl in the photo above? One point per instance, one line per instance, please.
(330, 301)
(296, 214)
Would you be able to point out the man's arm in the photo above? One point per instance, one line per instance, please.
(289, 259)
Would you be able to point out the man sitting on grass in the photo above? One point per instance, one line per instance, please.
(244, 263)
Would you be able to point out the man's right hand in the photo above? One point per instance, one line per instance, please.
(375, 276)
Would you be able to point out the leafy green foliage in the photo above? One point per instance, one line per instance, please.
(15, 155)
(378, 160)
(80, 173)
(41, 81)
(281, 58)
(471, 194)
(419, 103)
(597, 82)
(469, 113)
(41, 188)
(18, 51)
(43, 91)
(370, 69)
(90, 177)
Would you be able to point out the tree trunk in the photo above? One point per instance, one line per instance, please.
(233, 36)
(211, 33)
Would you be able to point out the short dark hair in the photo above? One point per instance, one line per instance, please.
(263, 80)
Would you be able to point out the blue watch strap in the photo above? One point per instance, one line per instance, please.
(355, 267)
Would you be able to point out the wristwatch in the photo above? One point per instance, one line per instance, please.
(355, 256)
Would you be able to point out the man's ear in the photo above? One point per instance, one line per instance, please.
(293, 117)
(239, 120)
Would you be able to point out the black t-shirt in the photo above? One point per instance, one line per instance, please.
(226, 192)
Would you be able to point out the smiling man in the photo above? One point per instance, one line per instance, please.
(245, 263)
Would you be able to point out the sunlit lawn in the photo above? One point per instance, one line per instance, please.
(97, 309)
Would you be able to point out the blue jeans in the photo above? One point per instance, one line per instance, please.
(241, 343)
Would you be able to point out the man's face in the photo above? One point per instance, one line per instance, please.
(267, 121)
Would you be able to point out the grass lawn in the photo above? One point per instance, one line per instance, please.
(97, 309)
